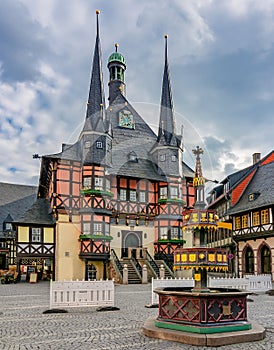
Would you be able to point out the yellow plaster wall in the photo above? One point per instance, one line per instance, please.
(116, 243)
(23, 234)
(68, 264)
(48, 235)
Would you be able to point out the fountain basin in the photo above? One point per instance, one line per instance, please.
(209, 311)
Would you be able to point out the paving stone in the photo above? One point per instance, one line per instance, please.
(23, 325)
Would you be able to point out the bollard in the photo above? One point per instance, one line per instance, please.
(144, 274)
(125, 274)
(162, 271)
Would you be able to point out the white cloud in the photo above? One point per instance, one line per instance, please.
(220, 55)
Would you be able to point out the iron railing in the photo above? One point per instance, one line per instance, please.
(117, 264)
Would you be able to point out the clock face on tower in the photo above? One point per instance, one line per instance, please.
(126, 120)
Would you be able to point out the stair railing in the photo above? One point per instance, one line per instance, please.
(137, 267)
(117, 264)
(152, 264)
(167, 263)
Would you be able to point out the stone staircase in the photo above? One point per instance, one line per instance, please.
(133, 277)
(168, 273)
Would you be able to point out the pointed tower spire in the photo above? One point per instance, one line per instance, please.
(96, 99)
(166, 133)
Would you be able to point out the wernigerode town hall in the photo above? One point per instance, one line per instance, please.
(116, 193)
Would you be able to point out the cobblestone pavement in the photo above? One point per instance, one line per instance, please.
(24, 326)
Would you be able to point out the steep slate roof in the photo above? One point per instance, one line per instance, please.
(96, 99)
(15, 200)
(141, 139)
(187, 171)
(142, 169)
(166, 133)
(261, 184)
(71, 152)
(142, 129)
(239, 175)
(39, 214)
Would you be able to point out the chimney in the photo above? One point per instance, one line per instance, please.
(256, 157)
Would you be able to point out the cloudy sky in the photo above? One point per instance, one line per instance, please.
(221, 58)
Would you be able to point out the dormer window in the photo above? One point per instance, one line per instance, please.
(173, 158)
(7, 226)
(99, 144)
(132, 157)
(226, 187)
(162, 157)
(87, 144)
(253, 196)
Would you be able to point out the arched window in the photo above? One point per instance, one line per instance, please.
(249, 260)
(265, 260)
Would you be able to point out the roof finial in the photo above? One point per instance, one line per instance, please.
(166, 36)
(116, 47)
(97, 15)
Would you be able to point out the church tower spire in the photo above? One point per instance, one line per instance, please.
(96, 99)
(166, 133)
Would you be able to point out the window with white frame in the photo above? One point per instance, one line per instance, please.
(163, 192)
(98, 183)
(86, 228)
(123, 195)
(163, 233)
(173, 192)
(142, 196)
(97, 228)
(36, 234)
(87, 182)
(174, 231)
(132, 196)
(99, 144)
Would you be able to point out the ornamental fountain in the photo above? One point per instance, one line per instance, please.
(201, 315)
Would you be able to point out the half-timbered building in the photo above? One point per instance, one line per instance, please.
(14, 201)
(246, 200)
(117, 192)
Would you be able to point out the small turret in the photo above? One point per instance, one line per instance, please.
(117, 67)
